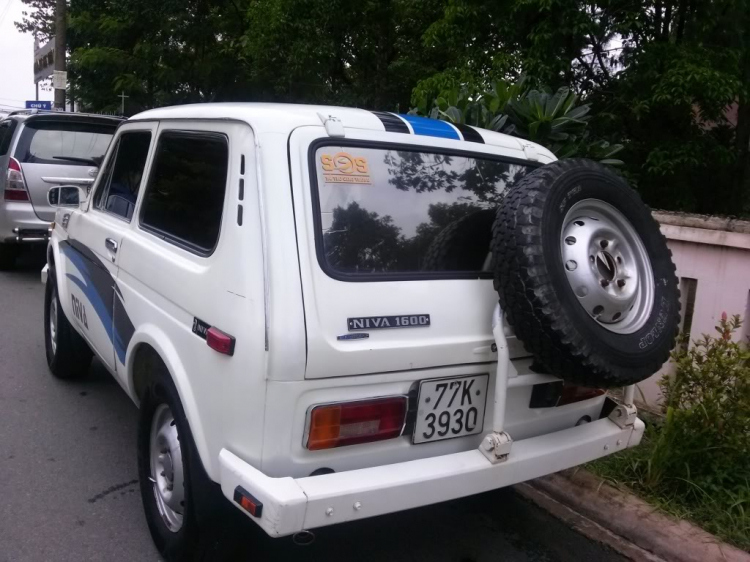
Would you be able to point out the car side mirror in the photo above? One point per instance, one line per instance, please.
(66, 196)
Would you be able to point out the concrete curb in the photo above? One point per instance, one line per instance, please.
(632, 519)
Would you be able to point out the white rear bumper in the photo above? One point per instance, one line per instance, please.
(291, 505)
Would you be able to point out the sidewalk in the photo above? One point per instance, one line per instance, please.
(624, 522)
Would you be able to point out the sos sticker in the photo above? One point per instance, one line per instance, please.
(342, 167)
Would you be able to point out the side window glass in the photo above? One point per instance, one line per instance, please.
(119, 190)
(6, 134)
(184, 198)
(105, 174)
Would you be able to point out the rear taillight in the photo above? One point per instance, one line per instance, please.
(349, 423)
(552, 394)
(572, 394)
(15, 186)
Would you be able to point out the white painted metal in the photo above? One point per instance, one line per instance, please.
(629, 394)
(291, 505)
(264, 286)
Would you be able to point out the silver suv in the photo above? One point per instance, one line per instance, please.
(39, 150)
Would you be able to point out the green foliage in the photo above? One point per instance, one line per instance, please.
(706, 437)
(669, 80)
(696, 461)
(553, 120)
(659, 77)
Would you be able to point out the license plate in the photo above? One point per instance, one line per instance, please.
(450, 408)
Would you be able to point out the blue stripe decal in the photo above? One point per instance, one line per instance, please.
(99, 287)
(88, 288)
(431, 127)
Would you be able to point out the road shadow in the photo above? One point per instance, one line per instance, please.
(491, 527)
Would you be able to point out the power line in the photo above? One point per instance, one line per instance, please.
(5, 12)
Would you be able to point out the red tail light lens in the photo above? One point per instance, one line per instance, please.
(572, 394)
(349, 423)
(15, 186)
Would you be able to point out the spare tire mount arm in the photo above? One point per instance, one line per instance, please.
(496, 445)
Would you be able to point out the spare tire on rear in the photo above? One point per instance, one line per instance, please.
(584, 275)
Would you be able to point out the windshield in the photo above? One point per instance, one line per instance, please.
(67, 142)
(397, 212)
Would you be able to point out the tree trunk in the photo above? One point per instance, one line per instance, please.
(681, 17)
(60, 43)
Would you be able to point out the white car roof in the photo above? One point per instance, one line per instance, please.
(283, 118)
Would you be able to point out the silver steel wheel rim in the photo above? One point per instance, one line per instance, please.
(53, 323)
(607, 266)
(167, 475)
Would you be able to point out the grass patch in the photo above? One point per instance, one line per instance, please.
(722, 512)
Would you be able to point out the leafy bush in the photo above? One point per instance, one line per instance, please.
(704, 445)
(552, 120)
(695, 462)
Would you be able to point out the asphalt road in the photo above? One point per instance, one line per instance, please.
(69, 490)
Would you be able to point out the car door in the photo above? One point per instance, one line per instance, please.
(95, 237)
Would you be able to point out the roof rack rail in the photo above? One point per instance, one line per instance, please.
(35, 111)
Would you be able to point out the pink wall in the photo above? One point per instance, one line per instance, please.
(719, 260)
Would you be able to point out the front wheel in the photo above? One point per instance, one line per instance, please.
(68, 354)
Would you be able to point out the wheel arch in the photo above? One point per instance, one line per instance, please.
(150, 342)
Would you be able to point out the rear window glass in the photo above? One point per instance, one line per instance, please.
(61, 142)
(403, 212)
(184, 198)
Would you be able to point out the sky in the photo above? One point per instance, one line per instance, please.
(16, 60)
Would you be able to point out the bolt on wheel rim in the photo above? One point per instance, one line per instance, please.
(607, 266)
(167, 476)
(53, 323)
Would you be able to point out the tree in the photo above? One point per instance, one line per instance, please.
(39, 18)
(358, 53)
(659, 76)
(158, 53)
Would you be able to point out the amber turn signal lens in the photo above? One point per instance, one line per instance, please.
(349, 423)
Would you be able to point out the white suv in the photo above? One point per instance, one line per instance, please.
(300, 300)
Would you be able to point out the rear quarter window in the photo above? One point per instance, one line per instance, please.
(403, 213)
(184, 198)
(50, 142)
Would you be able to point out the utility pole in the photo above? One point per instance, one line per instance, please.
(122, 97)
(61, 22)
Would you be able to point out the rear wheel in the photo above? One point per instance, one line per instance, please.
(68, 354)
(585, 276)
(172, 480)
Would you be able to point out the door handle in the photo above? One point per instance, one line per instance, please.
(111, 245)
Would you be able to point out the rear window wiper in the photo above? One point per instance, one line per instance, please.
(89, 161)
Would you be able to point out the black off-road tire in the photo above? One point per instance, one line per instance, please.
(537, 298)
(8, 255)
(71, 357)
(463, 245)
(203, 501)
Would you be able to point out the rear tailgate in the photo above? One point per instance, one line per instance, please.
(44, 143)
(370, 304)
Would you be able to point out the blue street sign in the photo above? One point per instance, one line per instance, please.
(32, 104)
